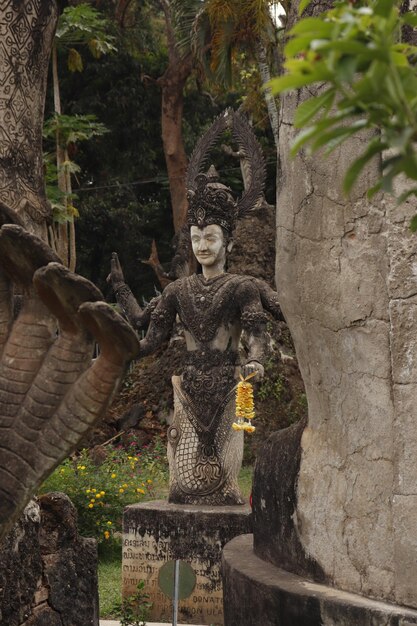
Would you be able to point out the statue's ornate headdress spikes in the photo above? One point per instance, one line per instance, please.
(210, 202)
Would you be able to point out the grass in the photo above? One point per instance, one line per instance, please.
(110, 561)
(109, 580)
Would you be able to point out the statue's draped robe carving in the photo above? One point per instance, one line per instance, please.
(204, 452)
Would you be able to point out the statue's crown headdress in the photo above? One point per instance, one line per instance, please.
(210, 202)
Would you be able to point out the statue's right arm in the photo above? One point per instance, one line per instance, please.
(162, 321)
(137, 316)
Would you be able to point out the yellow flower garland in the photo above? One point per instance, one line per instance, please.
(245, 410)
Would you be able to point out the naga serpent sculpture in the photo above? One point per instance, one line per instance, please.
(51, 390)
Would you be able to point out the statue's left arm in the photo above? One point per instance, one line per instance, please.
(253, 321)
(162, 321)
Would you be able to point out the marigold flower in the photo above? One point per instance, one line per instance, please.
(91, 506)
(98, 495)
(106, 534)
(121, 490)
(140, 491)
(92, 500)
(125, 485)
(88, 491)
(149, 481)
(94, 490)
(245, 410)
(113, 475)
(102, 493)
(109, 523)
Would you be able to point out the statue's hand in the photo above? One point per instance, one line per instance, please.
(116, 277)
(253, 367)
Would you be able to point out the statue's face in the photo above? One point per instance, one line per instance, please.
(208, 244)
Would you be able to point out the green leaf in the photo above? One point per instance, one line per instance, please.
(297, 45)
(341, 131)
(302, 138)
(383, 8)
(355, 48)
(410, 18)
(303, 5)
(413, 223)
(313, 26)
(308, 109)
(296, 81)
(357, 166)
(373, 190)
(345, 69)
(399, 59)
(404, 196)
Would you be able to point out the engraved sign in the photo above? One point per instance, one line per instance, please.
(158, 533)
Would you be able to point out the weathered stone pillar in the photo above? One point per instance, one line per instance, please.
(348, 290)
(48, 573)
(26, 32)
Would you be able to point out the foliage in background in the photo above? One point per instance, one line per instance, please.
(368, 81)
(122, 189)
(222, 27)
(83, 25)
(100, 491)
(68, 131)
(80, 25)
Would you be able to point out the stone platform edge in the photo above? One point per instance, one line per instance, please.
(256, 593)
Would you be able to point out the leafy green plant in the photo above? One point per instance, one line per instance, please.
(83, 25)
(67, 131)
(79, 25)
(368, 81)
(100, 492)
(271, 388)
(133, 610)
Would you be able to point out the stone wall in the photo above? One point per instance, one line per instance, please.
(48, 573)
(348, 290)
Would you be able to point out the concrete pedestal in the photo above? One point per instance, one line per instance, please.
(157, 532)
(256, 593)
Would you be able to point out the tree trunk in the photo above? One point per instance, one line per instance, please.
(347, 287)
(27, 30)
(172, 84)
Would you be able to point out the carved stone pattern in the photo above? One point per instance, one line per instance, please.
(26, 31)
(137, 317)
(245, 137)
(253, 321)
(123, 293)
(206, 384)
(211, 203)
(205, 306)
(202, 473)
(162, 316)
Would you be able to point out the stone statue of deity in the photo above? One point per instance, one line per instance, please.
(215, 307)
